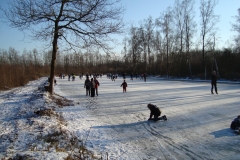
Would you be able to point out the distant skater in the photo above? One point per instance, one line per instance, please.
(92, 86)
(144, 77)
(155, 112)
(87, 86)
(96, 85)
(214, 82)
(124, 85)
(131, 76)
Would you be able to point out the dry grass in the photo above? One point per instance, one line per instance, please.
(59, 138)
(19, 75)
(61, 101)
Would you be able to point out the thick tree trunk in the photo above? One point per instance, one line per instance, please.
(53, 62)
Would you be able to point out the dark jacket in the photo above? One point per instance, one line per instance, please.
(124, 84)
(235, 124)
(87, 83)
(154, 110)
(214, 79)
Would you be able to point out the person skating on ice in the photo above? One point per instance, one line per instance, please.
(87, 86)
(92, 87)
(214, 82)
(155, 112)
(96, 85)
(124, 85)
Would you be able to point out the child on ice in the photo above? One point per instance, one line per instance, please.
(124, 85)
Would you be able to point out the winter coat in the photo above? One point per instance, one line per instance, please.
(124, 84)
(96, 83)
(235, 124)
(154, 110)
(92, 84)
(214, 79)
(87, 84)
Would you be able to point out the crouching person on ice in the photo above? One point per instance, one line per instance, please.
(235, 125)
(155, 112)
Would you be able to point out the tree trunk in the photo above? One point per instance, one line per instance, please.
(203, 58)
(53, 62)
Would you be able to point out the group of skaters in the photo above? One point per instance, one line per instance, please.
(111, 76)
(91, 86)
(61, 76)
(142, 76)
(71, 76)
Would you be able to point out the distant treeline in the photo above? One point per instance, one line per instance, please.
(19, 68)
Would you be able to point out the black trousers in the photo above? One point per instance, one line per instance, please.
(87, 91)
(92, 92)
(215, 86)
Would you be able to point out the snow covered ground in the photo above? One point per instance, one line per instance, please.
(114, 125)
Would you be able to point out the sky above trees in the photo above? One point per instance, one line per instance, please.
(136, 11)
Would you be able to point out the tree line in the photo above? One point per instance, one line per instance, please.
(19, 68)
(168, 46)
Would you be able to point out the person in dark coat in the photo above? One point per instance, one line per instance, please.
(235, 125)
(131, 76)
(144, 77)
(155, 112)
(214, 82)
(87, 86)
(92, 86)
(124, 85)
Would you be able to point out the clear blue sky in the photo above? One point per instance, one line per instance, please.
(136, 11)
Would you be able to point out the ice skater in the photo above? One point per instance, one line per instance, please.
(155, 112)
(131, 76)
(144, 77)
(96, 85)
(214, 82)
(92, 87)
(124, 85)
(87, 86)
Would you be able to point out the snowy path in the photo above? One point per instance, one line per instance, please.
(115, 123)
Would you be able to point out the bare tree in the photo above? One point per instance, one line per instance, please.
(165, 23)
(179, 21)
(236, 28)
(190, 28)
(158, 48)
(149, 27)
(133, 43)
(208, 22)
(80, 23)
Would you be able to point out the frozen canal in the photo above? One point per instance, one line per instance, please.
(115, 124)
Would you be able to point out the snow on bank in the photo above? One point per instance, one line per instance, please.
(114, 125)
(23, 132)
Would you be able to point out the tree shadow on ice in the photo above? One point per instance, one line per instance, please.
(227, 132)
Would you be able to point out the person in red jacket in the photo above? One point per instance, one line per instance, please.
(124, 85)
(96, 85)
(155, 112)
